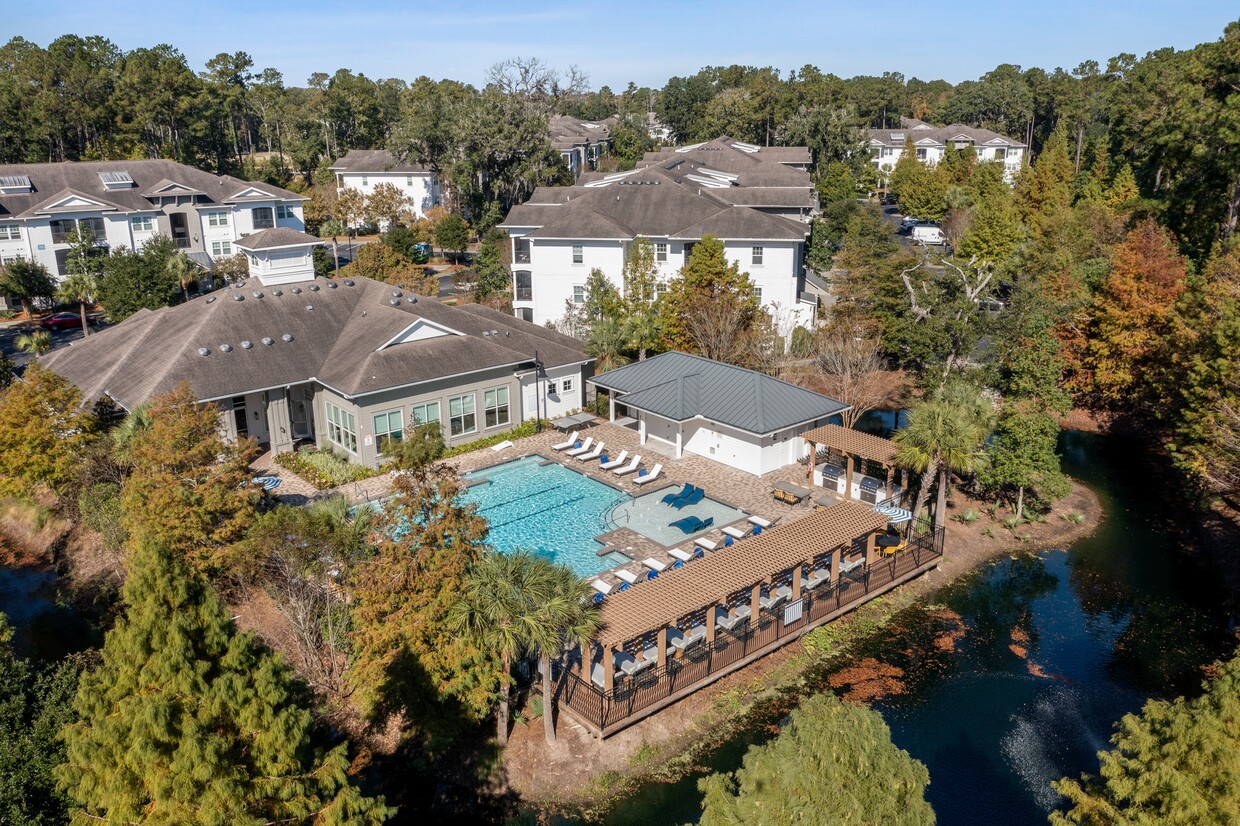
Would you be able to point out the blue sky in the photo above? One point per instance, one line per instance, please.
(646, 42)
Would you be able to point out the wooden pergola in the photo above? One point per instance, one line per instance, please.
(853, 444)
(757, 562)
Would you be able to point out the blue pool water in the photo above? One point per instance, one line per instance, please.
(551, 510)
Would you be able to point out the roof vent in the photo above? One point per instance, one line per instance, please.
(268, 340)
(277, 293)
(485, 333)
(257, 294)
(247, 345)
(396, 293)
(495, 332)
(226, 348)
(286, 338)
(210, 299)
(238, 297)
(204, 351)
(332, 285)
(348, 282)
(413, 299)
(314, 288)
(309, 308)
(395, 302)
(296, 291)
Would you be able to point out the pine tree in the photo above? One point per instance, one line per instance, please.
(43, 433)
(189, 489)
(833, 763)
(1046, 188)
(710, 306)
(641, 273)
(189, 721)
(836, 183)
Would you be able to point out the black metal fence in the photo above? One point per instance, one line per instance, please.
(633, 694)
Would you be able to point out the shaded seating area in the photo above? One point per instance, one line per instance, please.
(859, 466)
(789, 493)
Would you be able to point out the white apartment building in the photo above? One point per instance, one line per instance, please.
(364, 169)
(562, 233)
(126, 203)
(932, 142)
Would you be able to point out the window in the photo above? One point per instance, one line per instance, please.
(660, 252)
(661, 288)
(62, 228)
(217, 219)
(341, 428)
(365, 181)
(566, 385)
(1000, 153)
(262, 218)
(495, 406)
(755, 256)
(409, 180)
(757, 293)
(284, 213)
(521, 250)
(219, 249)
(551, 388)
(425, 413)
(10, 232)
(579, 294)
(389, 427)
(578, 254)
(525, 285)
(921, 153)
(141, 223)
(461, 417)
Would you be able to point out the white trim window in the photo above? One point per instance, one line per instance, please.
(755, 256)
(1000, 153)
(139, 223)
(262, 218)
(757, 294)
(425, 413)
(10, 232)
(217, 218)
(284, 212)
(579, 294)
(409, 180)
(389, 427)
(495, 406)
(566, 385)
(221, 249)
(461, 416)
(579, 255)
(341, 428)
(551, 388)
(660, 252)
(365, 181)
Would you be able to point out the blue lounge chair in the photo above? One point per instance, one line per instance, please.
(598, 599)
(692, 499)
(691, 524)
(671, 498)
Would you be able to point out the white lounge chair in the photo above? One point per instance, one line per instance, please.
(847, 566)
(729, 621)
(775, 597)
(708, 544)
(680, 640)
(616, 462)
(735, 533)
(593, 454)
(627, 576)
(654, 564)
(585, 447)
(683, 556)
(504, 445)
(816, 577)
(565, 445)
(601, 587)
(649, 477)
(630, 467)
(760, 522)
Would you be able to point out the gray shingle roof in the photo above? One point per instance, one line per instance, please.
(680, 386)
(276, 237)
(939, 135)
(375, 160)
(340, 342)
(740, 223)
(52, 180)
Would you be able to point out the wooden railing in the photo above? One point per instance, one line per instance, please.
(606, 710)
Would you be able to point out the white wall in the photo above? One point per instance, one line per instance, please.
(553, 405)
(420, 187)
(723, 444)
(554, 274)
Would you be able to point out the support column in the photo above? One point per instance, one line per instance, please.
(611, 401)
(679, 439)
(891, 472)
(583, 665)
(848, 478)
(609, 668)
(661, 642)
(871, 551)
(755, 602)
(641, 428)
(710, 623)
(796, 580)
(835, 566)
(809, 461)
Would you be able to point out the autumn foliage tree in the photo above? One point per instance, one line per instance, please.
(710, 307)
(188, 488)
(43, 432)
(1132, 310)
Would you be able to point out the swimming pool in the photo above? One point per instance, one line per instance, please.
(650, 516)
(546, 508)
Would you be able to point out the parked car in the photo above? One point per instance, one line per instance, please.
(65, 321)
(929, 234)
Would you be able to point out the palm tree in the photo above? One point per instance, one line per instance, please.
(334, 229)
(606, 343)
(514, 603)
(183, 269)
(36, 343)
(575, 622)
(943, 433)
(644, 332)
(81, 287)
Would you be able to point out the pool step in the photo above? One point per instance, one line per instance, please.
(546, 462)
(469, 483)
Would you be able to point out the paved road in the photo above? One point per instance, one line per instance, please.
(11, 330)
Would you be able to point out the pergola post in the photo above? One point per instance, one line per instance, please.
(583, 666)
(870, 549)
(891, 470)
(711, 610)
(835, 566)
(796, 578)
(848, 478)
(662, 644)
(809, 461)
(611, 401)
(755, 601)
(609, 668)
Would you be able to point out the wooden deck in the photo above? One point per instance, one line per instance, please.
(604, 713)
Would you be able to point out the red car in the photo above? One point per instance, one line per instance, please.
(64, 321)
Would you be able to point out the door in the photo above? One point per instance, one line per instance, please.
(299, 413)
(256, 406)
(180, 229)
(239, 417)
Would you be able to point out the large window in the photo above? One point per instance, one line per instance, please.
(217, 218)
(62, 228)
(525, 285)
(425, 413)
(921, 153)
(495, 406)
(1000, 153)
(521, 250)
(660, 252)
(10, 232)
(461, 416)
(263, 219)
(142, 223)
(578, 254)
(755, 256)
(341, 428)
(285, 213)
(389, 427)
(220, 249)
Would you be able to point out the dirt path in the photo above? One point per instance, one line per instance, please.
(575, 768)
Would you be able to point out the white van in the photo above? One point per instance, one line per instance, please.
(929, 234)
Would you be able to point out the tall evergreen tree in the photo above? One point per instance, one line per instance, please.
(43, 433)
(189, 721)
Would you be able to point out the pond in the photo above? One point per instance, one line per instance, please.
(45, 627)
(1016, 677)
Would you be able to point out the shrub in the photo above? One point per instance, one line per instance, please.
(1011, 523)
(519, 432)
(1076, 517)
(322, 468)
(967, 518)
(988, 533)
(536, 706)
